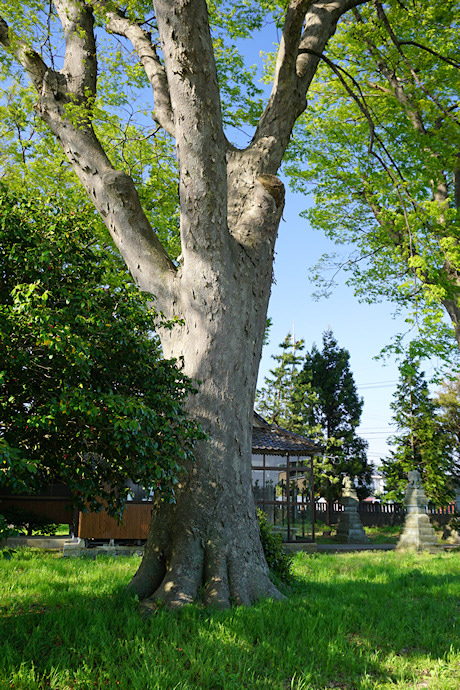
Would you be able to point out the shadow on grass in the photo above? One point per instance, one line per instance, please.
(350, 622)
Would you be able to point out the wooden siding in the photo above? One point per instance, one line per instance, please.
(57, 509)
(135, 525)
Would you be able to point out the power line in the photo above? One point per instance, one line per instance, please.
(376, 384)
(380, 432)
(363, 429)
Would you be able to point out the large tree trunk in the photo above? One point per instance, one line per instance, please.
(209, 541)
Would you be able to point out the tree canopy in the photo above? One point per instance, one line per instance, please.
(380, 141)
(447, 401)
(86, 397)
(325, 402)
(274, 399)
(314, 394)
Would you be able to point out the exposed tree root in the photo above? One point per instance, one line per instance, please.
(216, 572)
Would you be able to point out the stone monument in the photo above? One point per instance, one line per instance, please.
(349, 528)
(417, 533)
(451, 531)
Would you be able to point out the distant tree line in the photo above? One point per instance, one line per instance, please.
(427, 436)
(314, 394)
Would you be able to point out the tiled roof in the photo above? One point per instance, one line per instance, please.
(273, 440)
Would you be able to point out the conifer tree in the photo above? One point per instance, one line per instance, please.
(448, 404)
(327, 406)
(274, 400)
(422, 442)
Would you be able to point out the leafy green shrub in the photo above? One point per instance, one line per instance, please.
(278, 560)
(5, 529)
(86, 397)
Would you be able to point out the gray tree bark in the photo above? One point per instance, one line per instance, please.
(230, 207)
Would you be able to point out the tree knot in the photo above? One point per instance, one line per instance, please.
(274, 187)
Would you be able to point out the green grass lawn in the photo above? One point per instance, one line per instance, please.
(352, 621)
(386, 534)
(377, 535)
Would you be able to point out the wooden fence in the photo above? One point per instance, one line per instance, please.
(379, 514)
(56, 509)
(53, 503)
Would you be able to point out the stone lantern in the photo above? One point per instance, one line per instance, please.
(349, 528)
(417, 534)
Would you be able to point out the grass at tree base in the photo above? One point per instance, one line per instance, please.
(352, 621)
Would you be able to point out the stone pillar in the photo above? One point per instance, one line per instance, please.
(417, 534)
(349, 527)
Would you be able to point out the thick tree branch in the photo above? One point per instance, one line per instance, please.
(112, 191)
(285, 81)
(80, 65)
(248, 201)
(457, 184)
(141, 41)
(30, 60)
(453, 309)
(308, 27)
(201, 145)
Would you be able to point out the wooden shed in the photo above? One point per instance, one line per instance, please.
(282, 479)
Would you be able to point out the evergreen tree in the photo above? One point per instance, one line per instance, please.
(274, 400)
(448, 404)
(422, 443)
(326, 405)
